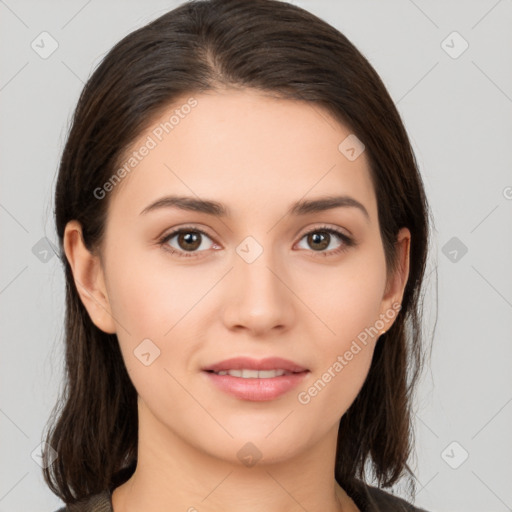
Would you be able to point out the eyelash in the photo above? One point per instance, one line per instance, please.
(347, 241)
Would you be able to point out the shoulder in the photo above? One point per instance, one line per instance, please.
(373, 499)
(101, 502)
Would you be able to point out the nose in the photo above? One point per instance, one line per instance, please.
(259, 297)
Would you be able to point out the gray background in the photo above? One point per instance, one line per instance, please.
(457, 110)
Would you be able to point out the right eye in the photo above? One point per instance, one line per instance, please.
(188, 239)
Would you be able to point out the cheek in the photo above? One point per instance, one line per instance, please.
(344, 351)
(146, 309)
(348, 296)
(157, 300)
(149, 297)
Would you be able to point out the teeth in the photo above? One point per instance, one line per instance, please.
(254, 374)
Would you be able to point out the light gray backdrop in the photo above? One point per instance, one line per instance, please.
(447, 65)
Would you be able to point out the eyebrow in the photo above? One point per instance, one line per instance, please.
(302, 207)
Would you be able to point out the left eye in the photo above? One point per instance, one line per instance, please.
(322, 238)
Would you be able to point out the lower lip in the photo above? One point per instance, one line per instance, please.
(256, 389)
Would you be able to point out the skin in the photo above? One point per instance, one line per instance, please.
(257, 155)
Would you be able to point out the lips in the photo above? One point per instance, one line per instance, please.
(246, 378)
(247, 363)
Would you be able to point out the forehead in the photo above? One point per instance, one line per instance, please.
(246, 149)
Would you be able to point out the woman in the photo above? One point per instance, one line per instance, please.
(216, 358)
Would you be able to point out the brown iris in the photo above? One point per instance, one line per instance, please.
(316, 238)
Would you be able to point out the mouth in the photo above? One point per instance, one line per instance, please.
(255, 380)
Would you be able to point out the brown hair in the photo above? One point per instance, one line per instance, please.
(269, 46)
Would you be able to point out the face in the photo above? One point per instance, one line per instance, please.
(185, 287)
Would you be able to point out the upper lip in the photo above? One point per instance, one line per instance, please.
(269, 363)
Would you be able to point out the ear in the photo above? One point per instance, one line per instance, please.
(88, 276)
(395, 287)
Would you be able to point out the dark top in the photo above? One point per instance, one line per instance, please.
(366, 497)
